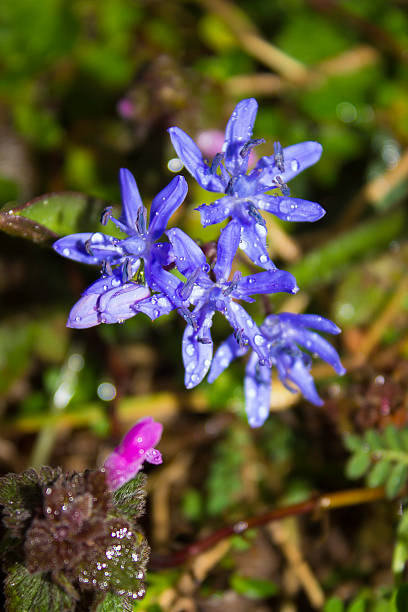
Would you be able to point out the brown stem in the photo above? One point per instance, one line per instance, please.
(319, 503)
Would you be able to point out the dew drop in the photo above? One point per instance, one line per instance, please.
(294, 164)
(115, 282)
(259, 340)
(263, 259)
(190, 350)
(97, 237)
(156, 312)
(66, 252)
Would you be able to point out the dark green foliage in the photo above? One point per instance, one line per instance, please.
(65, 536)
(381, 457)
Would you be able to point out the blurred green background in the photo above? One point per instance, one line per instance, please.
(87, 87)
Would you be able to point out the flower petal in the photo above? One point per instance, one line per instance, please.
(80, 246)
(237, 133)
(245, 326)
(144, 434)
(197, 355)
(226, 352)
(165, 204)
(155, 306)
(270, 281)
(117, 305)
(296, 158)
(253, 243)
(257, 384)
(227, 247)
(292, 367)
(316, 344)
(131, 200)
(309, 320)
(188, 255)
(85, 312)
(290, 209)
(216, 212)
(113, 281)
(192, 158)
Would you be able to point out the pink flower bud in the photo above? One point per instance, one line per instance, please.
(136, 447)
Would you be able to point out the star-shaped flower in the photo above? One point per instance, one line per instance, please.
(245, 193)
(211, 291)
(111, 298)
(286, 336)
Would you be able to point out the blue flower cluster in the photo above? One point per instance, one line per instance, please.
(138, 270)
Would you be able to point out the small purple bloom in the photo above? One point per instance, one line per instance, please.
(136, 447)
(245, 192)
(286, 336)
(112, 297)
(211, 294)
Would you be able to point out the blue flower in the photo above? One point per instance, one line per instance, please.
(245, 193)
(286, 335)
(111, 298)
(209, 291)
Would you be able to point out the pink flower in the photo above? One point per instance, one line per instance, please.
(136, 447)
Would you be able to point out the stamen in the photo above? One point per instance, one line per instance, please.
(254, 212)
(248, 146)
(240, 337)
(140, 221)
(282, 186)
(106, 268)
(233, 284)
(126, 270)
(279, 161)
(189, 317)
(186, 290)
(106, 214)
(204, 340)
(216, 162)
(88, 247)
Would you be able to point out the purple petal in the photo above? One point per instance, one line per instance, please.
(117, 305)
(165, 204)
(316, 344)
(197, 355)
(296, 158)
(226, 352)
(113, 281)
(310, 320)
(270, 281)
(155, 306)
(237, 133)
(216, 212)
(253, 243)
(245, 325)
(80, 246)
(131, 200)
(144, 435)
(294, 369)
(192, 158)
(187, 253)
(85, 312)
(227, 247)
(290, 209)
(257, 384)
(154, 456)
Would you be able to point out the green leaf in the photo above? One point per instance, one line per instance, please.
(27, 592)
(392, 438)
(353, 443)
(396, 480)
(358, 605)
(254, 588)
(404, 439)
(16, 225)
(401, 598)
(379, 474)
(334, 604)
(358, 464)
(130, 498)
(111, 603)
(373, 439)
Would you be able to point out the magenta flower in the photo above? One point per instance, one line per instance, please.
(136, 447)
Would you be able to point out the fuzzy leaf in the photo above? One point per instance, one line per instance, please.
(396, 480)
(114, 603)
(130, 498)
(21, 494)
(358, 464)
(379, 474)
(27, 592)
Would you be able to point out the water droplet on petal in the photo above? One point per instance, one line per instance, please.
(259, 340)
(190, 350)
(263, 259)
(97, 237)
(294, 164)
(66, 252)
